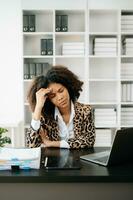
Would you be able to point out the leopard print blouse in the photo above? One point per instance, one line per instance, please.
(84, 130)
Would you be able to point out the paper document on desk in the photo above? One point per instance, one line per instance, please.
(25, 158)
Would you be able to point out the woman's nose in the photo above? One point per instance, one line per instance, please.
(59, 96)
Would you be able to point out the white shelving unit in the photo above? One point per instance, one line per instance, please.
(101, 73)
(126, 60)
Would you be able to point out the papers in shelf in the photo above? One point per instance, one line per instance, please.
(25, 158)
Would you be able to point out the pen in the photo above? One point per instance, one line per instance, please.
(46, 160)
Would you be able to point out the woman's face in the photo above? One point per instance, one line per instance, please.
(59, 95)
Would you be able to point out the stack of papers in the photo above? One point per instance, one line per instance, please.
(25, 158)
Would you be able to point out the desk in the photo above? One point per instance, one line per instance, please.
(92, 182)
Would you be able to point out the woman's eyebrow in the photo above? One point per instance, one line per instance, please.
(57, 90)
(51, 93)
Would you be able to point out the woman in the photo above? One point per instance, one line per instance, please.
(58, 120)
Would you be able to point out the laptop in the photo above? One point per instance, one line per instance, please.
(56, 158)
(120, 152)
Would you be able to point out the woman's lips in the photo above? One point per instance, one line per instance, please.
(63, 102)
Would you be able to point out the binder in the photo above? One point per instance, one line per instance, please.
(32, 70)
(49, 46)
(26, 71)
(45, 68)
(58, 23)
(43, 46)
(64, 23)
(25, 23)
(31, 23)
(39, 69)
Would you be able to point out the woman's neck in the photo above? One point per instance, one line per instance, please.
(65, 113)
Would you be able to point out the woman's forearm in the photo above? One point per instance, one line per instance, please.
(49, 143)
(37, 113)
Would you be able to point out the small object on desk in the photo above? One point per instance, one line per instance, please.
(15, 168)
(46, 161)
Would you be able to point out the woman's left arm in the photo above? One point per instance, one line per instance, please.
(87, 137)
(47, 142)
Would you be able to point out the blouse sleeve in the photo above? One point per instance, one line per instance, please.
(87, 137)
(33, 139)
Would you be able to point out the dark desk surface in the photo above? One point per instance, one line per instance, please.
(89, 172)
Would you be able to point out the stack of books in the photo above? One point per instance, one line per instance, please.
(127, 116)
(105, 46)
(105, 117)
(29, 23)
(20, 158)
(127, 23)
(127, 71)
(127, 92)
(128, 46)
(35, 69)
(73, 48)
(61, 23)
(46, 46)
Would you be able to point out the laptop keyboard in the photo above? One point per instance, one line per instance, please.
(102, 159)
(99, 154)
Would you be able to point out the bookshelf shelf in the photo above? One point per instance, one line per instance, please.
(102, 80)
(109, 127)
(127, 33)
(27, 80)
(126, 56)
(103, 33)
(69, 33)
(37, 56)
(104, 56)
(104, 103)
(127, 103)
(70, 56)
(98, 65)
(37, 33)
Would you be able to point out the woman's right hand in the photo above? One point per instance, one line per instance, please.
(41, 96)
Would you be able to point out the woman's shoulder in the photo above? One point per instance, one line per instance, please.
(86, 108)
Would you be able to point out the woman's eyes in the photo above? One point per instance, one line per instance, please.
(61, 90)
(53, 95)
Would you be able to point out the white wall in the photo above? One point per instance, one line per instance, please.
(53, 4)
(59, 4)
(10, 62)
(118, 4)
(11, 107)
